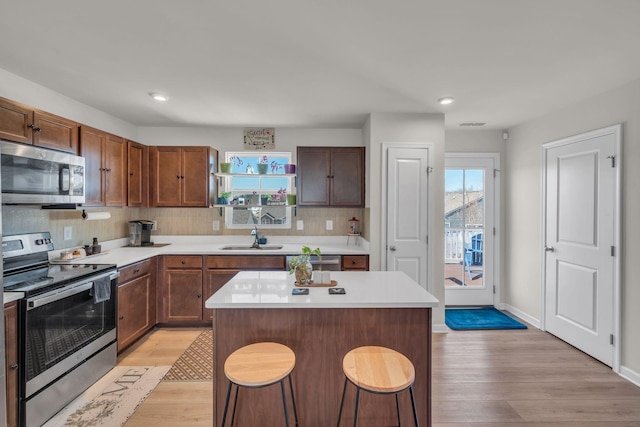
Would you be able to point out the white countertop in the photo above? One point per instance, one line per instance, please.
(116, 251)
(364, 289)
(12, 296)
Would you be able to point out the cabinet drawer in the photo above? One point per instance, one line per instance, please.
(246, 262)
(182, 261)
(137, 270)
(355, 262)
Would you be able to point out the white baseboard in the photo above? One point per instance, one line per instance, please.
(630, 375)
(439, 328)
(520, 314)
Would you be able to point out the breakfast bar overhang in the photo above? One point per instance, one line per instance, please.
(381, 308)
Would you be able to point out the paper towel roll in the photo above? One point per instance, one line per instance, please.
(95, 215)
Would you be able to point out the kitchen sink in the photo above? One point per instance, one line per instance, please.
(250, 248)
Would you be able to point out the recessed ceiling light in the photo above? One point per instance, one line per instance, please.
(158, 97)
(446, 100)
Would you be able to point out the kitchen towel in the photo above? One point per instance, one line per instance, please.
(101, 289)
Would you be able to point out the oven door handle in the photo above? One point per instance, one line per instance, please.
(59, 294)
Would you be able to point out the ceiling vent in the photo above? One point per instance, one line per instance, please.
(472, 124)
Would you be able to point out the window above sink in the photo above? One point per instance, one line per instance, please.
(258, 187)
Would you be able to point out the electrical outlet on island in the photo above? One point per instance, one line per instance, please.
(329, 225)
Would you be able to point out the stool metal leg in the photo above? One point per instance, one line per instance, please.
(284, 403)
(413, 404)
(344, 390)
(293, 399)
(226, 405)
(398, 411)
(355, 419)
(235, 405)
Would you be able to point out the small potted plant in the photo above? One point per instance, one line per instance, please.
(264, 199)
(225, 167)
(224, 197)
(300, 265)
(263, 166)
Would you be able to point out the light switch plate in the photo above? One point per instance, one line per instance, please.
(216, 225)
(329, 225)
(155, 225)
(299, 225)
(68, 232)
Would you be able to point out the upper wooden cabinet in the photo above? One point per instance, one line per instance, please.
(21, 123)
(182, 176)
(137, 174)
(105, 167)
(330, 176)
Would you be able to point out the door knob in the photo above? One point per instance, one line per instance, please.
(392, 248)
(549, 249)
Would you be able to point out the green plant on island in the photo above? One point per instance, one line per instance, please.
(300, 265)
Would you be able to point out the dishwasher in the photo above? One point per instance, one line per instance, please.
(323, 263)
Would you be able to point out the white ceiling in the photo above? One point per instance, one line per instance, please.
(322, 63)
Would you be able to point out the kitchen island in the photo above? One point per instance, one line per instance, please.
(379, 308)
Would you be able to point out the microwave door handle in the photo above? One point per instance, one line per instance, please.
(65, 179)
(39, 302)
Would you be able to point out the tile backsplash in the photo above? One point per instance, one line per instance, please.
(171, 221)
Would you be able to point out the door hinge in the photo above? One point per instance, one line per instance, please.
(611, 339)
(494, 231)
(427, 239)
(429, 169)
(494, 289)
(495, 172)
(613, 161)
(613, 251)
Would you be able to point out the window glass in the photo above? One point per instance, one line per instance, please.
(259, 198)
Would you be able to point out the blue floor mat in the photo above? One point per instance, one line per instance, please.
(461, 319)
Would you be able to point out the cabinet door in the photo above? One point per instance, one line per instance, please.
(55, 132)
(166, 176)
(314, 176)
(92, 142)
(181, 296)
(11, 359)
(215, 280)
(115, 162)
(347, 176)
(136, 309)
(137, 174)
(14, 121)
(195, 176)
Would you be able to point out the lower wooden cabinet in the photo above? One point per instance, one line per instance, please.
(355, 262)
(11, 359)
(181, 289)
(136, 301)
(214, 280)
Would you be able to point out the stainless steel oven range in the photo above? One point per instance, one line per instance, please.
(67, 324)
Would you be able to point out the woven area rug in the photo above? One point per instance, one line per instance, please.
(111, 400)
(461, 319)
(196, 363)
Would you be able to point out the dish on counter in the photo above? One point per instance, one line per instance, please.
(73, 257)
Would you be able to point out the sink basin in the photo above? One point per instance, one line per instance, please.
(249, 248)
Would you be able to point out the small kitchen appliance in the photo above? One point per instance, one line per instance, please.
(140, 232)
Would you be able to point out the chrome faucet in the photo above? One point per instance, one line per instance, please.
(256, 242)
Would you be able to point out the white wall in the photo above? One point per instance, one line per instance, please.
(522, 182)
(409, 128)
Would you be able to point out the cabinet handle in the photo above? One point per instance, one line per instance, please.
(32, 126)
(14, 367)
(136, 271)
(130, 173)
(121, 318)
(353, 262)
(199, 296)
(183, 262)
(181, 177)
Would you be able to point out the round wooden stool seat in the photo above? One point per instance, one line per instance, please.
(378, 369)
(259, 364)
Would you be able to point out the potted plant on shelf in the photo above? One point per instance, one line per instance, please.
(300, 265)
(224, 197)
(264, 199)
(263, 166)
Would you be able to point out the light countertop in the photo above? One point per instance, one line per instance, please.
(364, 289)
(12, 296)
(116, 251)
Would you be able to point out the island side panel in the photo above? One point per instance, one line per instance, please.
(320, 338)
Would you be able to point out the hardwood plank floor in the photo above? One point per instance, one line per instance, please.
(521, 378)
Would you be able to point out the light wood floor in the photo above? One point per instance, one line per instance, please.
(522, 378)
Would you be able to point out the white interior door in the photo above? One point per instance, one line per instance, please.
(471, 190)
(407, 195)
(580, 239)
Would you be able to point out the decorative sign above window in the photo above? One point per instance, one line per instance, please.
(259, 139)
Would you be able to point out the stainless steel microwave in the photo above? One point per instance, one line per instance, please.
(34, 175)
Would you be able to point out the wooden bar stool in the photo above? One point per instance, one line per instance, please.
(378, 370)
(260, 365)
